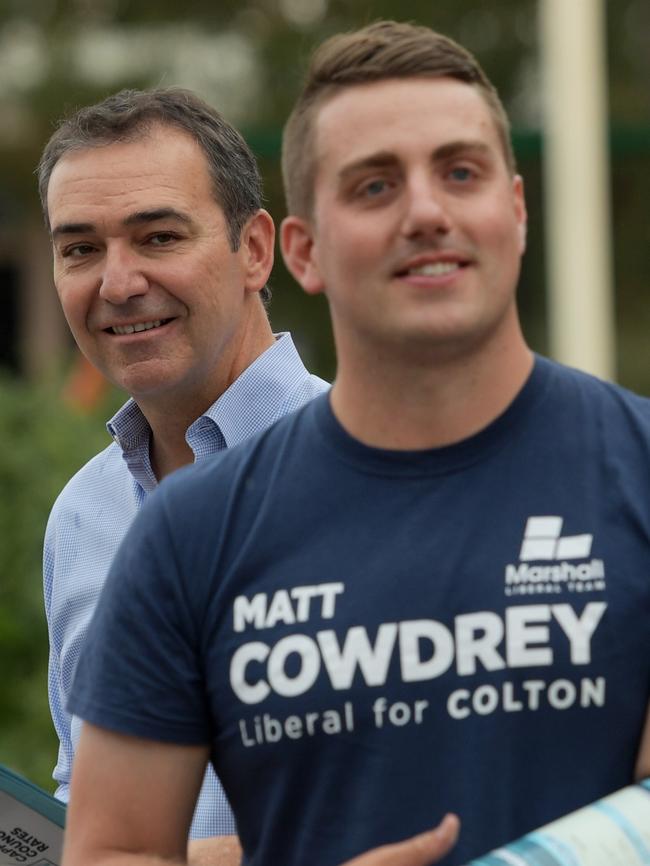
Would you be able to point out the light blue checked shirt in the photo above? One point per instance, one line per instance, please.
(96, 507)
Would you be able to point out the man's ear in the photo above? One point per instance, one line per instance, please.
(297, 245)
(520, 210)
(257, 243)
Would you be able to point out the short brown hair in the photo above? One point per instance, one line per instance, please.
(383, 50)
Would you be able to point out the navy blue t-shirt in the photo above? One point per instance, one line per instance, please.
(368, 639)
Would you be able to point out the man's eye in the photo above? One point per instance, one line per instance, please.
(461, 173)
(161, 239)
(77, 251)
(374, 188)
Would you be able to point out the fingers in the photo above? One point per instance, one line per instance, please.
(420, 850)
(224, 850)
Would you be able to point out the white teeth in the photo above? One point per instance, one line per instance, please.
(140, 326)
(434, 269)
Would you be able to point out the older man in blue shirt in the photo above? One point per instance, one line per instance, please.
(162, 253)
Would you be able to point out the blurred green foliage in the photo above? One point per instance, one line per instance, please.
(43, 444)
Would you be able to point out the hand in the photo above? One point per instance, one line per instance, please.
(420, 850)
(214, 851)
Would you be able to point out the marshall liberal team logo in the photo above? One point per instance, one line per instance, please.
(552, 563)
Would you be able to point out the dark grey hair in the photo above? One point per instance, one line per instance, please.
(126, 115)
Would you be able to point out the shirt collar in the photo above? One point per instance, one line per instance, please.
(253, 402)
(257, 398)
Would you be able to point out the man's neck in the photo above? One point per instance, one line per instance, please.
(411, 406)
(168, 448)
(171, 413)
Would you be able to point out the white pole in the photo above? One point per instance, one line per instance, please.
(577, 206)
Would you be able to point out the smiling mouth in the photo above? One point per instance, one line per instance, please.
(432, 269)
(122, 330)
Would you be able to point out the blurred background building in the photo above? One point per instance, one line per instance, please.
(247, 59)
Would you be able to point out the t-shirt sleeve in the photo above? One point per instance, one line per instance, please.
(139, 671)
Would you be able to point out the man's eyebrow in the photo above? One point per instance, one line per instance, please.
(386, 159)
(138, 218)
(381, 159)
(454, 148)
(72, 229)
(155, 214)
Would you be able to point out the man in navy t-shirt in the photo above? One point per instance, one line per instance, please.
(426, 592)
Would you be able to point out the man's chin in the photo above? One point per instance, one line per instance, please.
(145, 379)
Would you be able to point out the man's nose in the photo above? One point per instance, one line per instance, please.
(426, 210)
(122, 277)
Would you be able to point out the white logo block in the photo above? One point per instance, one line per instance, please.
(537, 548)
(542, 541)
(574, 547)
(543, 527)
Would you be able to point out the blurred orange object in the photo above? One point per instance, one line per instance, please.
(85, 386)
